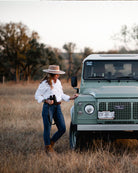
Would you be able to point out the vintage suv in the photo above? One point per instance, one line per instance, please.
(107, 105)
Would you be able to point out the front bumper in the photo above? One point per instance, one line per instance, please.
(113, 127)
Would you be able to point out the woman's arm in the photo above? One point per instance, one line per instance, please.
(74, 96)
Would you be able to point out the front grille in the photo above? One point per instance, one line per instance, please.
(123, 110)
(102, 106)
(135, 110)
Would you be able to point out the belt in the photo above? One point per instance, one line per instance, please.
(57, 103)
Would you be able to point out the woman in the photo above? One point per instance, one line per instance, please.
(50, 93)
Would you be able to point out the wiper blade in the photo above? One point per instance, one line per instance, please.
(127, 77)
(135, 78)
(110, 79)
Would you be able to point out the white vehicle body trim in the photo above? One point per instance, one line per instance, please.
(111, 57)
(102, 127)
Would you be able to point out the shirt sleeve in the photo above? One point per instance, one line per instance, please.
(65, 97)
(39, 94)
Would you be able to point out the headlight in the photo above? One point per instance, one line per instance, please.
(89, 109)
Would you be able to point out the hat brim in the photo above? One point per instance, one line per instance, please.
(53, 71)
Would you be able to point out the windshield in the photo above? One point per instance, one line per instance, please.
(111, 69)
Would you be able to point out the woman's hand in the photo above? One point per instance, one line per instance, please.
(50, 102)
(74, 97)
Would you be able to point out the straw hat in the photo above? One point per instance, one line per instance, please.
(54, 69)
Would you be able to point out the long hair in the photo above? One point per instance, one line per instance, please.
(48, 77)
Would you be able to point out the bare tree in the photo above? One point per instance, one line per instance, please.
(128, 36)
(87, 51)
(69, 47)
(134, 34)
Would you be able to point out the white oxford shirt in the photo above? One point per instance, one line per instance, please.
(44, 91)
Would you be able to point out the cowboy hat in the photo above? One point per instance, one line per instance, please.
(54, 69)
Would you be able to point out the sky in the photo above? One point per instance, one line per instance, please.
(86, 23)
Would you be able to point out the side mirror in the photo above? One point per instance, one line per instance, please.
(74, 81)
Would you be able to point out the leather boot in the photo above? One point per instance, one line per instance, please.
(48, 149)
(52, 143)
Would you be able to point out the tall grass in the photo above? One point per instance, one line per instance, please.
(22, 147)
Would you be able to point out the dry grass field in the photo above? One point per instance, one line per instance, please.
(22, 147)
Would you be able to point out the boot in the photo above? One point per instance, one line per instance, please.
(52, 143)
(48, 149)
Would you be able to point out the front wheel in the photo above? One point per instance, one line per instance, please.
(73, 136)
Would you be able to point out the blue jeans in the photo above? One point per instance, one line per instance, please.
(55, 112)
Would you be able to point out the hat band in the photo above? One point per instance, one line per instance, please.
(52, 70)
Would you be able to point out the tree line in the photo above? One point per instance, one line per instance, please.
(22, 56)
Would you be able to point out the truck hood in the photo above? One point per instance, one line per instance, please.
(113, 91)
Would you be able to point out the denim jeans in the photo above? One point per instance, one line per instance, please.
(55, 112)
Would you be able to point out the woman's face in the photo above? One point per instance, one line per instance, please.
(55, 77)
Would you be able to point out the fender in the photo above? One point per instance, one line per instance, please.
(71, 112)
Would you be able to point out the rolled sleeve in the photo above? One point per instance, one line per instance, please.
(39, 98)
(65, 97)
(39, 94)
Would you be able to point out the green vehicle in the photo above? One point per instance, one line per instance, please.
(107, 105)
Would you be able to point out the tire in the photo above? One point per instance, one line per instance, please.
(78, 140)
(73, 137)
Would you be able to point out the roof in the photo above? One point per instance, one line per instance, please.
(112, 57)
